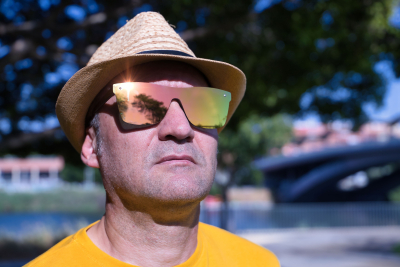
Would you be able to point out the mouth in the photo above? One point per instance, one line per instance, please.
(173, 159)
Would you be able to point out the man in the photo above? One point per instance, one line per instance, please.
(144, 113)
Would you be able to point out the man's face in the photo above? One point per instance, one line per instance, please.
(172, 162)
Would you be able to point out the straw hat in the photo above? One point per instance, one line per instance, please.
(147, 37)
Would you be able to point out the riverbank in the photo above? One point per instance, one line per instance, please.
(329, 247)
(70, 198)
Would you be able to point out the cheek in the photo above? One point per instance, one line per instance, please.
(122, 150)
(123, 162)
(129, 149)
(208, 143)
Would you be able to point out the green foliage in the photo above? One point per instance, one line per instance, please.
(215, 190)
(60, 200)
(154, 110)
(396, 249)
(286, 52)
(394, 195)
(97, 177)
(266, 133)
(75, 173)
(72, 173)
(256, 137)
(247, 175)
(324, 50)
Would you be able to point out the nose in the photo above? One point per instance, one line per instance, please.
(175, 125)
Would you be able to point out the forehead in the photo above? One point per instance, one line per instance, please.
(176, 73)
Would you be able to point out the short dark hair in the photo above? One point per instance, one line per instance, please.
(95, 123)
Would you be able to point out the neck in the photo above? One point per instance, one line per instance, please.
(138, 238)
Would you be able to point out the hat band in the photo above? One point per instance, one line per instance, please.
(167, 52)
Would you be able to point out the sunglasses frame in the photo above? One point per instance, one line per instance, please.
(207, 105)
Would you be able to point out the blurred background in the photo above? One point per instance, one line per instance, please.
(309, 165)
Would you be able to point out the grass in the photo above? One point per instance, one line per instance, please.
(394, 195)
(396, 249)
(69, 199)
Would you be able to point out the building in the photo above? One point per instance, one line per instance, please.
(34, 173)
(317, 137)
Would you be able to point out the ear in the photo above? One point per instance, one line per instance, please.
(88, 153)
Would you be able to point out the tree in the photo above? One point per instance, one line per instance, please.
(154, 110)
(298, 55)
(256, 137)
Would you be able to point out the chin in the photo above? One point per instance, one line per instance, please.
(182, 193)
(179, 191)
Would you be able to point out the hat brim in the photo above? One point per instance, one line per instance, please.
(78, 93)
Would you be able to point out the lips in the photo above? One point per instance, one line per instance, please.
(176, 158)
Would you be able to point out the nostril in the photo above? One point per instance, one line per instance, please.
(177, 139)
(169, 137)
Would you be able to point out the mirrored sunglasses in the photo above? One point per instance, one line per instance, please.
(145, 104)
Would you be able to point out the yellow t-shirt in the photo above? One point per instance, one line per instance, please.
(215, 248)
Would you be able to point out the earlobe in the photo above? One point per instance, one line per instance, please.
(88, 153)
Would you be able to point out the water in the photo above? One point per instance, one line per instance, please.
(244, 216)
(241, 216)
(18, 224)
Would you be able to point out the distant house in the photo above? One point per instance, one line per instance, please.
(17, 174)
(317, 137)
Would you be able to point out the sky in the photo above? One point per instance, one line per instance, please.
(390, 108)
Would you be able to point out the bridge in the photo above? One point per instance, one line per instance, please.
(364, 172)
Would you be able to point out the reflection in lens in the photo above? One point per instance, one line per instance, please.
(153, 110)
(147, 104)
(122, 105)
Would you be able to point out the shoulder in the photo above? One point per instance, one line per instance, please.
(235, 247)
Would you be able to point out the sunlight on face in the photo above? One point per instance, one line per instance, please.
(172, 162)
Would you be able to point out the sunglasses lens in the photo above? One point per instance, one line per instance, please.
(138, 104)
(146, 103)
(206, 107)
